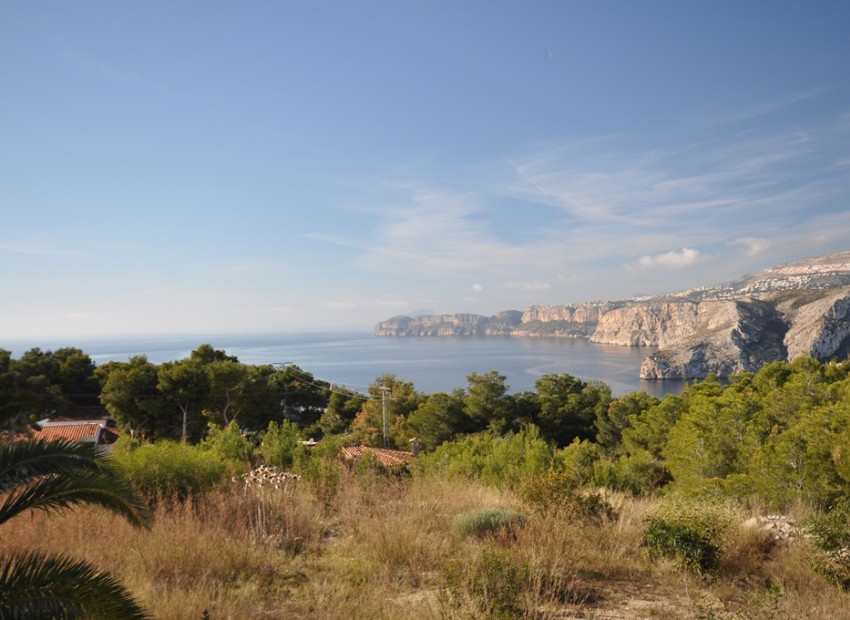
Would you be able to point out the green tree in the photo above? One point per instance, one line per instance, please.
(75, 376)
(613, 420)
(399, 399)
(185, 386)
(228, 383)
(648, 430)
(30, 388)
(52, 477)
(569, 407)
(130, 393)
(439, 418)
(304, 398)
(207, 354)
(486, 404)
(805, 462)
(343, 407)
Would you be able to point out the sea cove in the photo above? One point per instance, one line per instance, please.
(354, 359)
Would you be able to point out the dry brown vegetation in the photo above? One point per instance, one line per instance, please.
(373, 546)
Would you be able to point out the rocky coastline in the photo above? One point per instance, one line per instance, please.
(788, 311)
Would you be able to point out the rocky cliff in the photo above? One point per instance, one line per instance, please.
(800, 308)
(723, 338)
(502, 324)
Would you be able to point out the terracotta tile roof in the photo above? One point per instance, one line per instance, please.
(68, 432)
(385, 456)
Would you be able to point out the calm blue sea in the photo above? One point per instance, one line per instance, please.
(355, 359)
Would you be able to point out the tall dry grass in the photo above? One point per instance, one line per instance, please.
(382, 547)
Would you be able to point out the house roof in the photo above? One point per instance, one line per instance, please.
(55, 429)
(69, 432)
(385, 456)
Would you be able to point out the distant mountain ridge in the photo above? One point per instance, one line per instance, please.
(780, 313)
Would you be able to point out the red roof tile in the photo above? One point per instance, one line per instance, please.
(68, 432)
(385, 456)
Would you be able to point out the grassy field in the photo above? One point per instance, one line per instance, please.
(365, 545)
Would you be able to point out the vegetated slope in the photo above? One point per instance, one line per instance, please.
(794, 309)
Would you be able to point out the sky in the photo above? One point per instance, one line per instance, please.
(219, 167)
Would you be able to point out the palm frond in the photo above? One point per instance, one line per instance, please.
(25, 459)
(58, 491)
(36, 585)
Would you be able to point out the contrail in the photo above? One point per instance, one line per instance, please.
(526, 177)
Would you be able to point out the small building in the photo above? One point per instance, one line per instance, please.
(391, 459)
(100, 430)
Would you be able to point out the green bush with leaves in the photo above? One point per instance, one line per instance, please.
(281, 446)
(560, 490)
(169, 468)
(484, 522)
(831, 534)
(691, 532)
(500, 461)
(231, 445)
(492, 587)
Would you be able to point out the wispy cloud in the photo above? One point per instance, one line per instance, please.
(668, 260)
(616, 214)
(751, 246)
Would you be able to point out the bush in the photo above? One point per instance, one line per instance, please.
(500, 461)
(831, 534)
(169, 469)
(231, 445)
(491, 588)
(691, 533)
(560, 490)
(487, 522)
(281, 445)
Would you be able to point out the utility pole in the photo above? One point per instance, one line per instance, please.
(384, 396)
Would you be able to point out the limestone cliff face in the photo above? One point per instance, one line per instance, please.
(820, 329)
(799, 308)
(579, 313)
(501, 324)
(648, 324)
(562, 321)
(725, 338)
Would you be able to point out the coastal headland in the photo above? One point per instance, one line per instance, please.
(795, 309)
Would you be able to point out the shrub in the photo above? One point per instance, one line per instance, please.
(487, 522)
(491, 588)
(231, 445)
(168, 468)
(500, 461)
(281, 445)
(689, 532)
(560, 490)
(831, 534)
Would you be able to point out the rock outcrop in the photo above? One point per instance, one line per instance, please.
(726, 338)
(820, 329)
(563, 321)
(502, 324)
(781, 313)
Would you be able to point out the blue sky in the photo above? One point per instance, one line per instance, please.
(203, 167)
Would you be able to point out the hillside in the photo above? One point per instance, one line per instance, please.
(780, 313)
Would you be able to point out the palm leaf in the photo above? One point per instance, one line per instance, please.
(56, 492)
(35, 585)
(25, 459)
(62, 474)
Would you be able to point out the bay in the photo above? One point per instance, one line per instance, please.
(356, 359)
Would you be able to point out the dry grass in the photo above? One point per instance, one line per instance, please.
(380, 547)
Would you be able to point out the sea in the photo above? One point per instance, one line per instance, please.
(354, 359)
